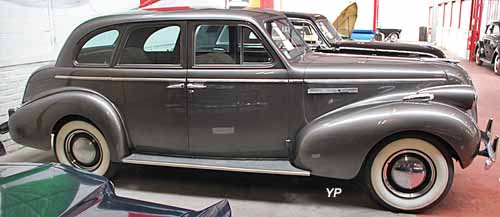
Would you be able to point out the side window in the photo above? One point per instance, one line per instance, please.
(496, 30)
(307, 32)
(152, 45)
(253, 49)
(228, 44)
(98, 49)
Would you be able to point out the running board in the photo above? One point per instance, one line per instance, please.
(278, 167)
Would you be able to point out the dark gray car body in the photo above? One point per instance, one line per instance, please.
(323, 112)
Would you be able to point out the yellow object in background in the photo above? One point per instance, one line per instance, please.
(254, 4)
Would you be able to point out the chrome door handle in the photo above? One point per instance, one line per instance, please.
(196, 86)
(176, 86)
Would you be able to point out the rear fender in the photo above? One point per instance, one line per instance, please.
(336, 144)
(32, 124)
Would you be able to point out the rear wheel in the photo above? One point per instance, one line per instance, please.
(478, 57)
(409, 174)
(82, 145)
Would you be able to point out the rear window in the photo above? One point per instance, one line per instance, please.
(155, 44)
(99, 48)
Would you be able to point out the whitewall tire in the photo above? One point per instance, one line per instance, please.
(409, 174)
(496, 64)
(477, 57)
(82, 145)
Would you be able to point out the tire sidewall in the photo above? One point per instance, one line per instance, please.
(496, 64)
(442, 163)
(477, 56)
(69, 127)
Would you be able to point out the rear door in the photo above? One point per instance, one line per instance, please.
(237, 93)
(150, 68)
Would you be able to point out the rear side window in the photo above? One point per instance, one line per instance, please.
(98, 49)
(158, 44)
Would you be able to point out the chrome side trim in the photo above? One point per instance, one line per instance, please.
(219, 168)
(237, 80)
(332, 90)
(107, 78)
(369, 80)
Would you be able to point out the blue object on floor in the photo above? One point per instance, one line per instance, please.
(362, 34)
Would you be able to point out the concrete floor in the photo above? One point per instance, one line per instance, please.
(475, 192)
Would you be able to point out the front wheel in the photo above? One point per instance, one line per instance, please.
(478, 57)
(82, 145)
(496, 64)
(409, 174)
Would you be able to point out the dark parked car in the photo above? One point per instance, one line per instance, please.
(488, 48)
(238, 90)
(321, 36)
(29, 190)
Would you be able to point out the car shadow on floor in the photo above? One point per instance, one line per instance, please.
(242, 186)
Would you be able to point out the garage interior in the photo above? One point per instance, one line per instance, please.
(33, 31)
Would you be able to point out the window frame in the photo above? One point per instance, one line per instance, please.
(90, 35)
(131, 27)
(193, 25)
(315, 28)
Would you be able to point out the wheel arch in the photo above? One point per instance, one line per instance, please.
(346, 137)
(34, 122)
(494, 56)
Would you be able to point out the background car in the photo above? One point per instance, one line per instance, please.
(321, 36)
(29, 190)
(488, 48)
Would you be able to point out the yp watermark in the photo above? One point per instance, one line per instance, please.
(333, 192)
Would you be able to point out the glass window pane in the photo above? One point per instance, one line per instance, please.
(152, 45)
(99, 48)
(217, 44)
(253, 49)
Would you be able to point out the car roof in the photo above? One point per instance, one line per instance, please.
(301, 15)
(258, 15)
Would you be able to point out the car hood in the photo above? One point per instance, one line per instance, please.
(419, 48)
(340, 66)
(58, 190)
(317, 65)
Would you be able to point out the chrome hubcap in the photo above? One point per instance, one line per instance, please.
(83, 150)
(409, 174)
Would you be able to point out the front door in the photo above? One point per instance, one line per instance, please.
(152, 76)
(237, 93)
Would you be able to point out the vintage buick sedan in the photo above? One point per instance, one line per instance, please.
(239, 90)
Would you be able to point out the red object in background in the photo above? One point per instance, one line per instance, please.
(144, 3)
(375, 15)
(267, 4)
(474, 27)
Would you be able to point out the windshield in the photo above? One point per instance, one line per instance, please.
(286, 38)
(328, 31)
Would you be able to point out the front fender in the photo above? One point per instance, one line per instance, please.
(33, 122)
(336, 144)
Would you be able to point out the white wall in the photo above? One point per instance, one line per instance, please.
(331, 9)
(407, 15)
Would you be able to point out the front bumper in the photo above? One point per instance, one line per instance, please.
(490, 150)
(4, 128)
